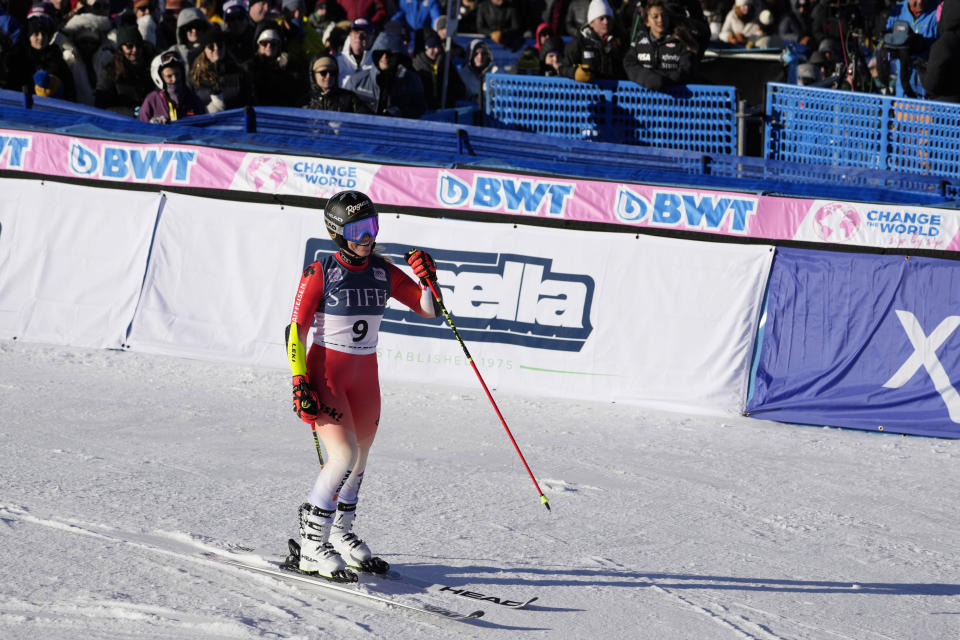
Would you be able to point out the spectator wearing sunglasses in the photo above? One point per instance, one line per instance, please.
(325, 91)
(192, 23)
(172, 99)
(276, 82)
(125, 83)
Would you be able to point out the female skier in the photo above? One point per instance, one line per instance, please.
(335, 386)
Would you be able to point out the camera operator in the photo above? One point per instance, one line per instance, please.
(910, 31)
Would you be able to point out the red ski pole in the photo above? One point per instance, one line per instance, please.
(466, 352)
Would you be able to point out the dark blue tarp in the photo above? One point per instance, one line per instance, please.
(861, 341)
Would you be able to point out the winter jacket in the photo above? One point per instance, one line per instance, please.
(431, 76)
(398, 93)
(941, 80)
(347, 65)
(654, 64)
(86, 71)
(232, 87)
(124, 93)
(418, 13)
(24, 61)
(157, 105)
(337, 99)
(471, 76)
(608, 55)
(189, 51)
(502, 20)
(925, 31)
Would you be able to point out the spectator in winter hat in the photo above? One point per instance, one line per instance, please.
(429, 65)
(479, 63)
(191, 25)
(125, 83)
(276, 82)
(740, 25)
(596, 52)
(325, 92)
(238, 30)
(353, 56)
(172, 99)
(389, 87)
(86, 51)
(219, 81)
(551, 52)
(258, 10)
(34, 53)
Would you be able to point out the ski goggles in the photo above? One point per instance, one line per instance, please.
(354, 231)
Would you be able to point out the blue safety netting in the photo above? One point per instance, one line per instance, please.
(811, 126)
(415, 142)
(692, 118)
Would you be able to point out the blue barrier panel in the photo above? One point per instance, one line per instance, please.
(398, 140)
(698, 118)
(841, 128)
(861, 341)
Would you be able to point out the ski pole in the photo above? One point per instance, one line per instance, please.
(466, 352)
(316, 441)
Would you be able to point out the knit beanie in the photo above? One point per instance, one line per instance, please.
(597, 9)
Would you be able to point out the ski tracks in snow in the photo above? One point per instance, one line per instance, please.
(739, 625)
(255, 620)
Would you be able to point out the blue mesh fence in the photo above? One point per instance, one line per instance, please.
(393, 140)
(698, 118)
(809, 126)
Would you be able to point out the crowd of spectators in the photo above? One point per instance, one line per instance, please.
(160, 60)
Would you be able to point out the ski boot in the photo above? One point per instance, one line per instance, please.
(351, 548)
(317, 556)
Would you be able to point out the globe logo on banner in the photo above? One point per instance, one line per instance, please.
(836, 222)
(494, 297)
(266, 171)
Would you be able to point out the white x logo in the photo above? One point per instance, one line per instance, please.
(925, 355)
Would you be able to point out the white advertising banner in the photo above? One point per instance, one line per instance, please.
(663, 323)
(72, 260)
(221, 280)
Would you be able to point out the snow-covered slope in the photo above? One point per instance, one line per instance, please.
(118, 469)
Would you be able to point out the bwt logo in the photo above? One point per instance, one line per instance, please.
(13, 151)
(925, 355)
(120, 163)
(494, 297)
(686, 210)
(513, 195)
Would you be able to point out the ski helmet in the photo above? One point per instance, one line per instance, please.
(168, 58)
(350, 215)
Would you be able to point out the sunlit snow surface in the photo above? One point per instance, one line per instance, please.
(118, 469)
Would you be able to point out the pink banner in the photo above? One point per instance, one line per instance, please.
(633, 205)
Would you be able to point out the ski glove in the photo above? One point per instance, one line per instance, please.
(305, 402)
(423, 266)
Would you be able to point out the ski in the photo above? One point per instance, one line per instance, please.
(465, 592)
(292, 576)
(381, 569)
